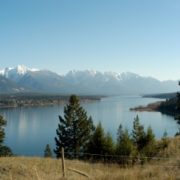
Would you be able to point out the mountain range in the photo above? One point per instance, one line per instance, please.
(88, 82)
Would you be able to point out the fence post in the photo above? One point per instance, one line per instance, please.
(63, 162)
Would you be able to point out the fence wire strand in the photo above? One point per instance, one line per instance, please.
(113, 159)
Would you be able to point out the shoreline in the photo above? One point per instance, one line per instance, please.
(33, 101)
(149, 108)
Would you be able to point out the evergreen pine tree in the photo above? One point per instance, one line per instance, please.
(178, 109)
(98, 141)
(124, 146)
(74, 130)
(144, 141)
(101, 145)
(177, 117)
(164, 141)
(2, 133)
(47, 151)
(150, 137)
(149, 148)
(138, 134)
(4, 150)
(109, 145)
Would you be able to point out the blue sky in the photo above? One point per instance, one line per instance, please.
(140, 36)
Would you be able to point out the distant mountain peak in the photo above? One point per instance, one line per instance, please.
(15, 73)
(87, 71)
(21, 69)
(129, 75)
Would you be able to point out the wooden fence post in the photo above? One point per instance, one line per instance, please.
(63, 162)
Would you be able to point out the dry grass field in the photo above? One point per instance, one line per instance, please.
(22, 168)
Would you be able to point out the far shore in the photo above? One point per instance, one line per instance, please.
(150, 107)
(14, 101)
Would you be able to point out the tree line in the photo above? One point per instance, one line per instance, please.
(79, 137)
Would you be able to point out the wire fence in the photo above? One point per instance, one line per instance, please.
(90, 165)
(123, 159)
(166, 164)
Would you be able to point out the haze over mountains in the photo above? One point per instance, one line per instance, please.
(23, 79)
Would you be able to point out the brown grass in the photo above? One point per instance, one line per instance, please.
(22, 168)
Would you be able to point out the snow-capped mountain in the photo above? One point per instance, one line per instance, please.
(33, 79)
(16, 73)
(8, 86)
(84, 82)
(113, 83)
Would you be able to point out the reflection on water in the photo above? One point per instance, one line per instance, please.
(30, 129)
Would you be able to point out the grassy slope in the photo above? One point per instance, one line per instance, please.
(22, 168)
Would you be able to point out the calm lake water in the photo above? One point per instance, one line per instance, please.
(29, 129)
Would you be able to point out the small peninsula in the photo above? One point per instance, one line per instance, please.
(150, 107)
(167, 106)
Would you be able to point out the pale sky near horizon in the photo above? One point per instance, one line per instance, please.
(140, 36)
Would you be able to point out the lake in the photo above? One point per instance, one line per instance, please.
(29, 129)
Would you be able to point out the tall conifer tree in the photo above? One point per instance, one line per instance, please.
(124, 145)
(47, 151)
(74, 130)
(97, 143)
(109, 145)
(4, 150)
(2, 133)
(178, 106)
(149, 148)
(138, 134)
